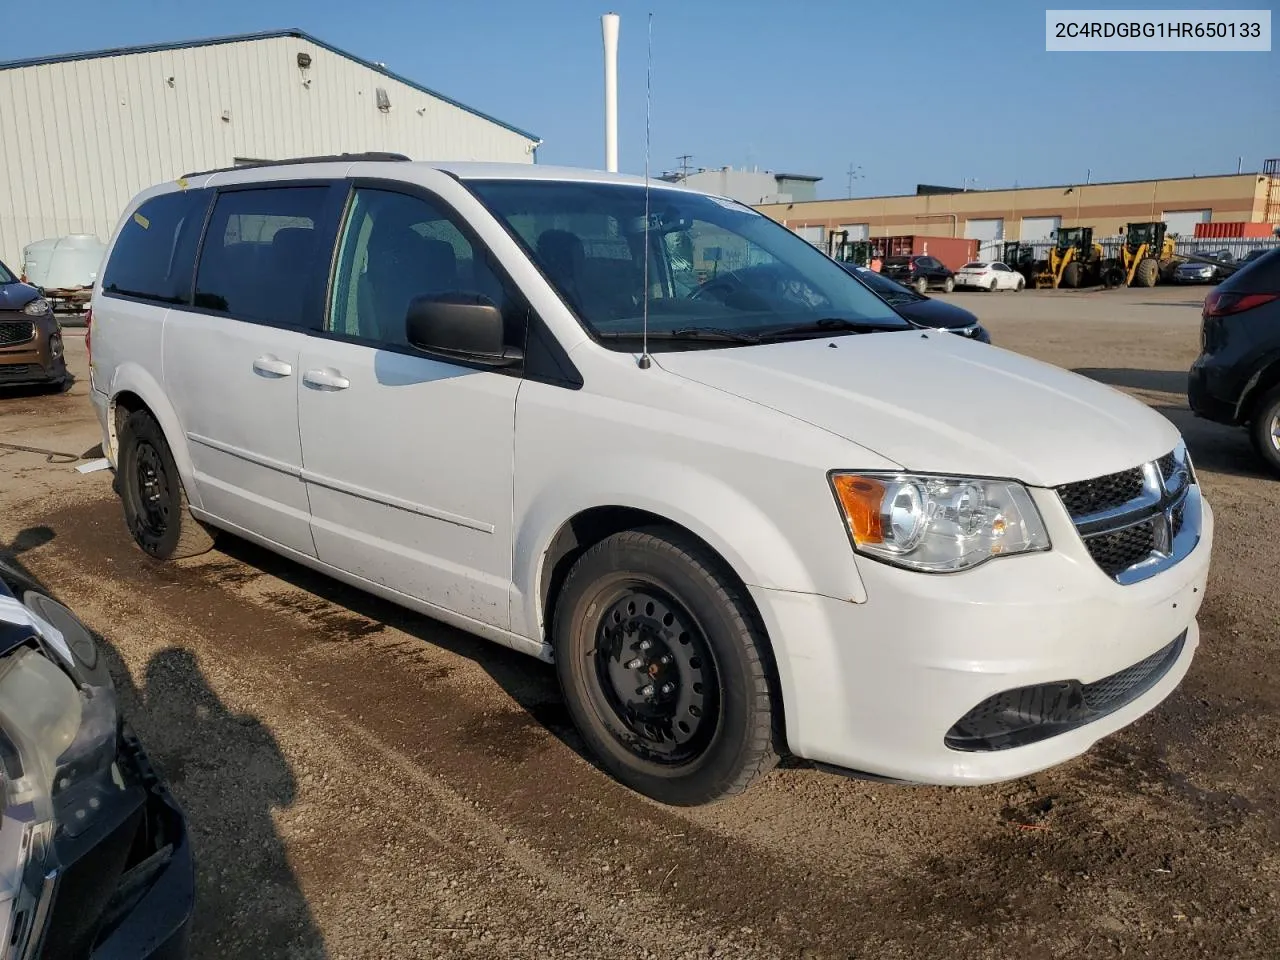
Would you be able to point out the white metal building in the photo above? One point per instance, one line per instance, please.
(83, 133)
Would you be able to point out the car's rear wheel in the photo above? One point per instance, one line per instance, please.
(155, 504)
(995, 285)
(1018, 285)
(662, 661)
(1264, 430)
(949, 284)
(922, 284)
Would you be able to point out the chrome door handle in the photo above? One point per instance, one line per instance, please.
(270, 366)
(325, 380)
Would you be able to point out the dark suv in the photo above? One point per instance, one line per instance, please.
(919, 271)
(1236, 378)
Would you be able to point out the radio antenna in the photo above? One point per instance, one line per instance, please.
(648, 104)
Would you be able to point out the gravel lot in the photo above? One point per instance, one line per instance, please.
(363, 782)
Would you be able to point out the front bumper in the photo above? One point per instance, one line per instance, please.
(34, 361)
(876, 687)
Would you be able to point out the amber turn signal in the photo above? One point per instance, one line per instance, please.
(861, 498)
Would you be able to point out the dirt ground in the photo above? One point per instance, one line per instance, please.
(366, 783)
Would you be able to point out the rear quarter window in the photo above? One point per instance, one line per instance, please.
(155, 252)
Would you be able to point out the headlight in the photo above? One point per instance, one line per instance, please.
(37, 307)
(938, 524)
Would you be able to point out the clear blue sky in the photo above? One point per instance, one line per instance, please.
(929, 92)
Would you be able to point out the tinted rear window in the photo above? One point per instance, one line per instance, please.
(897, 261)
(154, 255)
(1259, 276)
(974, 266)
(260, 252)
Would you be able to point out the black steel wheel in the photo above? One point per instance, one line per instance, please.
(155, 505)
(665, 668)
(656, 686)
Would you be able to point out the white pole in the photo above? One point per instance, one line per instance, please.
(609, 26)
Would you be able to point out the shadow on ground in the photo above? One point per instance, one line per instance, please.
(229, 775)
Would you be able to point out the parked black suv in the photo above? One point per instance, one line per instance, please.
(1236, 378)
(920, 272)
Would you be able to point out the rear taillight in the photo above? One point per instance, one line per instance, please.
(1221, 304)
(88, 332)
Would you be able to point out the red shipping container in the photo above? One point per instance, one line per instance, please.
(954, 252)
(1227, 230)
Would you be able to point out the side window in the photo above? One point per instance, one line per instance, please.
(260, 252)
(396, 247)
(154, 256)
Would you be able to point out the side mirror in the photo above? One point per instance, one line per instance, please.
(465, 326)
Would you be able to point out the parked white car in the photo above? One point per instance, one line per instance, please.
(989, 275)
(794, 523)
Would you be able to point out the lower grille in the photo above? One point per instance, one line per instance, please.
(13, 372)
(16, 331)
(1026, 715)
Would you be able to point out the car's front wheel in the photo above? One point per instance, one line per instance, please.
(155, 504)
(1264, 430)
(663, 664)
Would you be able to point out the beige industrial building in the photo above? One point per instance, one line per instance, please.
(1033, 213)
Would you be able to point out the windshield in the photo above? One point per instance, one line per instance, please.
(715, 268)
(889, 289)
(6, 276)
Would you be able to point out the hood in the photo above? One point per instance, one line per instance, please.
(935, 313)
(15, 296)
(938, 403)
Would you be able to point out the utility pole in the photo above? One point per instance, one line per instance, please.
(684, 159)
(853, 173)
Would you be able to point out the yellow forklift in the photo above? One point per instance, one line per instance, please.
(1074, 260)
(1146, 256)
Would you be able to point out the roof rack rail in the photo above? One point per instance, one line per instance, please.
(373, 155)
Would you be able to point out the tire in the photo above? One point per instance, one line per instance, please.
(703, 677)
(921, 285)
(1019, 284)
(1264, 430)
(995, 285)
(155, 504)
(1147, 273)
(1071, 275)
(949, 284)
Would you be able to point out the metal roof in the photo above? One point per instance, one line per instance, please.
(265, 35)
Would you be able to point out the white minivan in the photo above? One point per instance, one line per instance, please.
(656, 438)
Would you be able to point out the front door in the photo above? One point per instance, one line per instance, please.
(231, 362)
(407, 458)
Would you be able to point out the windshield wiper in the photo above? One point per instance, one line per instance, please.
(688, 333)
(828, 325)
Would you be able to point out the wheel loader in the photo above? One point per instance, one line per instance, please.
(1074, 260)
(1146, 256)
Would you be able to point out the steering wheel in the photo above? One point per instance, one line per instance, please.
(720, 289)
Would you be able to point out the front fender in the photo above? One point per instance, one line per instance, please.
(774, 548)
(131, 377)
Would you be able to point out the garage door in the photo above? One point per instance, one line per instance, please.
(989, 234)
(856, 231)
(1035, 229)
(814, 235)
(1183, 222)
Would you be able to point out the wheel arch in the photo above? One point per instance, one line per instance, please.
(134, 389)
(1259, 385)
(592, 525)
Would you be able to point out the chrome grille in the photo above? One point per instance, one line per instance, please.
(1117, 551)
(1135, 523)
(16, 331)
(1103, 493)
